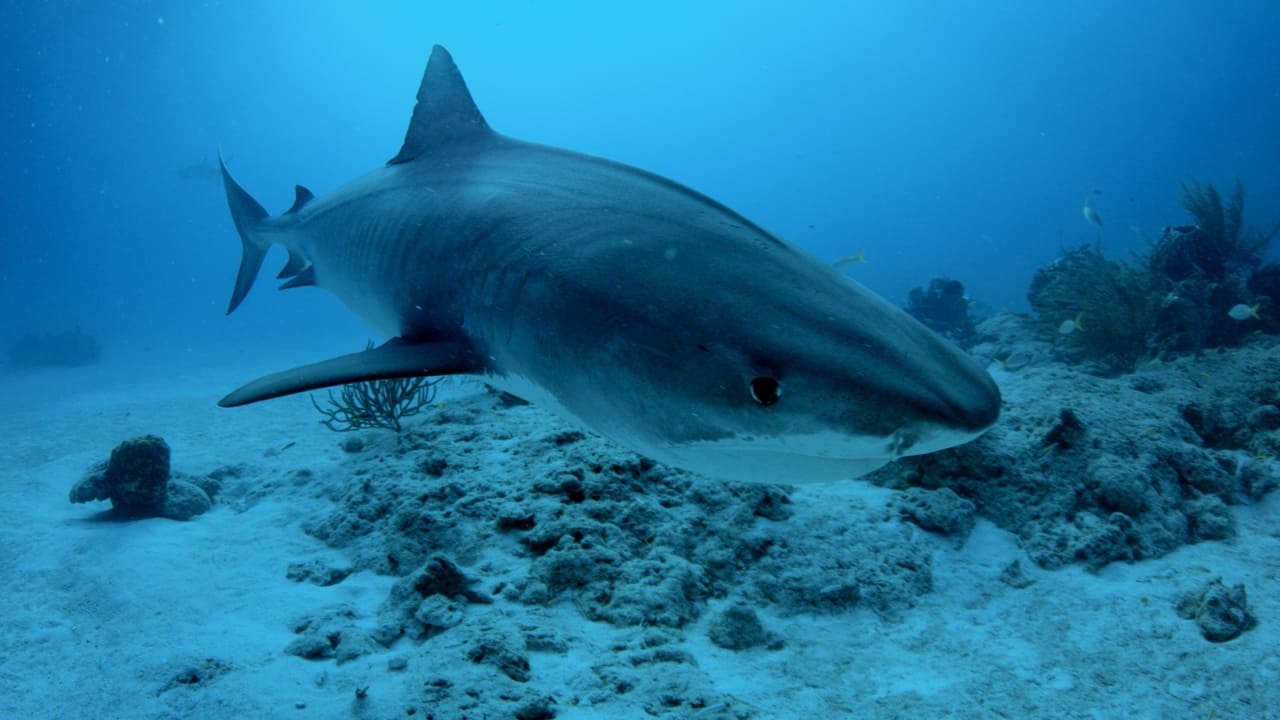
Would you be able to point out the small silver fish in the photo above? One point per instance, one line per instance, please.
(1091, 215)
(1243, 312)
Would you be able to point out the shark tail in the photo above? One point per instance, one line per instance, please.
(248, 215)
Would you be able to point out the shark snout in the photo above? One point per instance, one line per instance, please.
(972, 402)
(955, 398)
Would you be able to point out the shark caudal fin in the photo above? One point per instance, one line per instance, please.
(248, 215)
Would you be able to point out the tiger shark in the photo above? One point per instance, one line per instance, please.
(632, 305)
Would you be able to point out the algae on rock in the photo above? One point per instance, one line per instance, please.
(1114, 309)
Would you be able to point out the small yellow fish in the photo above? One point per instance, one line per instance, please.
(288, 445)
(1261, 458)
(1069, 326)
(859, 259)
(1149, 430)
(1243, 312)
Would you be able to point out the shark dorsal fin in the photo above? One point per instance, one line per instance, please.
(445, 114)
(302, 196)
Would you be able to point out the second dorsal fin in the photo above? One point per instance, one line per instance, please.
(301, 197)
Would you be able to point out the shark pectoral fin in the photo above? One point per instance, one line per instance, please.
(395, 359)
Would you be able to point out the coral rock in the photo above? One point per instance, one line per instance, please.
(941, 511)
(738, 628)
(137, 482)
(184, 500)
(138, 476)
(1221, 612)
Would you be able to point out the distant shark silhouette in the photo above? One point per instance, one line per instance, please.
(203, 171)
(631, 304)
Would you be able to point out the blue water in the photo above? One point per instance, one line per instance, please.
(954, 138)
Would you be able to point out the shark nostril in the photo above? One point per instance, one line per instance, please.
(765, 390)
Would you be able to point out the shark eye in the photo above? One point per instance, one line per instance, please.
(765, 390)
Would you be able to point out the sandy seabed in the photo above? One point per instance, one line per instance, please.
(163, 619)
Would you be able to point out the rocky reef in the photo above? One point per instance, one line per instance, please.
(1094, 470)
(1199, 286)
(494, 520)
(944, 308)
